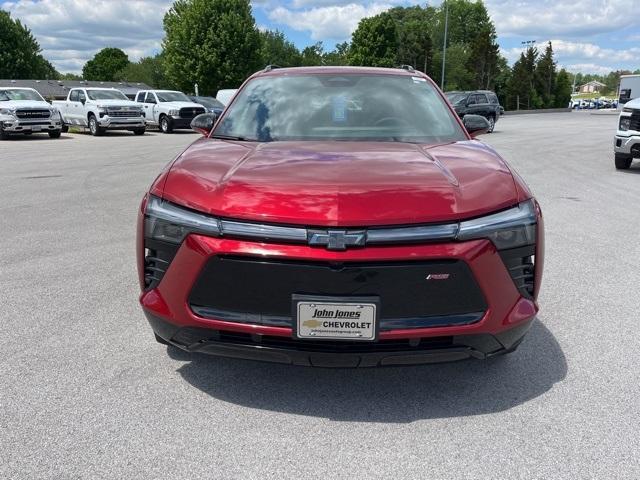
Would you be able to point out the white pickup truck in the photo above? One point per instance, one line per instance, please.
(626, 142)
(101, 109)
(23, 110)
(168, 109)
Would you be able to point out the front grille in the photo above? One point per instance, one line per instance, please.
(521, 265)
(190, 112)
(158, 256)
(122, 113)
(191, 336)
(259, 291)
(34, 113)
(635, 121)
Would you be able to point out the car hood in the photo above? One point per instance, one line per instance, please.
(25, 104)
(340, 183)
(179, 105)
(116, 103)
(635, 103)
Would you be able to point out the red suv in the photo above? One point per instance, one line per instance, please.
(339, 216)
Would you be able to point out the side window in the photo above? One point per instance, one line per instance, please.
(151, 98)
(74, 96)
(472, 100)
(140, 96)
(81, 96)
(493, 98)
(482, 98)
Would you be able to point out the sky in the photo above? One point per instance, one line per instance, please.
(589, 36)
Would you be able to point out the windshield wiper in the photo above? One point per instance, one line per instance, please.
(232, 137)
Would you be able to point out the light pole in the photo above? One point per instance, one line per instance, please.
(444, 42)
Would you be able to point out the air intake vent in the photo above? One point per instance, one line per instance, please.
(521, 265)
(157, 258)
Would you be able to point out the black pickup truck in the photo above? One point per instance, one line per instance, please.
(477, 102)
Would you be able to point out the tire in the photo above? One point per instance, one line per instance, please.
(166, 125)
(3, 135)
(139, 131)
(64, 129)
(94, 127)
(492, 123)
(55, 134)
(623, 162)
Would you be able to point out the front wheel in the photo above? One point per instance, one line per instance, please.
(623, 162)
(165, 124)
(64, 129)
(3, 135)
(139, 131)
(492, 123)
(94, 127)
(55, 134)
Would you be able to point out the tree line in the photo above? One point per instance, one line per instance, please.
(217, 44)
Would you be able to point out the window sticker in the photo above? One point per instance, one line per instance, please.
(339, 109)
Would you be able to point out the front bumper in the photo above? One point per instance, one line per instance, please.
(121, 123)
(181, 123)
(168, 308)
(627, 145)
(15, 125)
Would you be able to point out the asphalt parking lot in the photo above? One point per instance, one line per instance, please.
(85, 392)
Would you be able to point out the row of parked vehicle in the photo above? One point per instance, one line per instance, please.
(25, 111)
(593, 103)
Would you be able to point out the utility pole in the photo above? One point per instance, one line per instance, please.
(444, 43)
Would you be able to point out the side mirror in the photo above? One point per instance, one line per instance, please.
(476, 125)
(204, 123)
(83, 101)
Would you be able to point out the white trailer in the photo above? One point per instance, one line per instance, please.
(629, 89)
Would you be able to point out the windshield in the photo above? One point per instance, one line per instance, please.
(106, 95)
(208, 102)
(456, 97)
(359, 107)
(8, 95)
(172, 97)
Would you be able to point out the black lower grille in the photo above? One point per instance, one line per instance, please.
(635, 121)
(521, 265)
(412, 294)
(190, 112)
(191, 336)
(158, 256)
(35, 114)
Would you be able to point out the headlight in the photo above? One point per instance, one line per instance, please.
(625, 123)
(174, 113)
(7, 111)
(170, 223)
(101, 108)
(511, 228)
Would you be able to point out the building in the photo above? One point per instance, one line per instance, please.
(593, 86)
(58, 89)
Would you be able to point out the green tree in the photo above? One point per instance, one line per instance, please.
(457, 75)
(20, 56)
(312, 55)
(562, 89)
(149, 70)
(214, 43)
(338, 56)
(70, 76)
(545, 77)
(277, 50)
(414, 27)
(105, 65)
(521, 92)
(374, 43)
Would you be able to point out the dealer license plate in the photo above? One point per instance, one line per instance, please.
(36, 128)
(329, 320)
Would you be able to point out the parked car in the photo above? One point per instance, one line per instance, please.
(101, 109)
(626, 143)
(211, 104)
(478, 102)
(225, 96)
(168, 109)
(340, 217)
(23, 110)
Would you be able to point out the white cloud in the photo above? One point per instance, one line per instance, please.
(551, 18)
(335, 22)
(70, 32)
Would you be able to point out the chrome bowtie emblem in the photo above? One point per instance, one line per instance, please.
(337, 239)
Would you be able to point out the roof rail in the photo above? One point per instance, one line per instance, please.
(268, 68)
(408, 68)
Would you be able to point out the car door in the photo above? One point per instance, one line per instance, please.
(76, 107)
(81, 115)
(472, 105)
(483, 106)
(150, 108)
